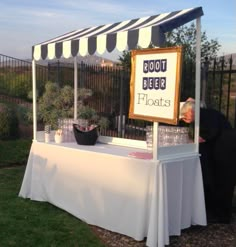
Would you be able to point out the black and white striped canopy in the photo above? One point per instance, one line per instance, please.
(121, 35)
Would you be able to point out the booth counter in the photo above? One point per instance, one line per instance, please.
(104, 186)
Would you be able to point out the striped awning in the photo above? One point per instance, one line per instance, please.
(121, 35)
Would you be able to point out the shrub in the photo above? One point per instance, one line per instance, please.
(55, 103)
(58, 103)
(17, 85)
(8, 123)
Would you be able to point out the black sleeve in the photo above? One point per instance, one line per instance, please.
(212, 124)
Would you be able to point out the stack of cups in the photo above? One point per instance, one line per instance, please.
(149, 138)
(47, 131)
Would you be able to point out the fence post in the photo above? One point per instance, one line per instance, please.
(49, 71)
(204, 79)
(58, 72)
(229, 86)
(235, 112)
(81, 75)
(221, 81)
(121, 120)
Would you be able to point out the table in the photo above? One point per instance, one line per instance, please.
(103, 186)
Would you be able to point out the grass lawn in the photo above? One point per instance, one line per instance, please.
(14, 152)
(29, 223)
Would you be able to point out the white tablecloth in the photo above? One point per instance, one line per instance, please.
(103, 186)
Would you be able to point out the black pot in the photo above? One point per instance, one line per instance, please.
(85, 137)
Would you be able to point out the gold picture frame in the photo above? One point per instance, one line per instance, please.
(155, 84)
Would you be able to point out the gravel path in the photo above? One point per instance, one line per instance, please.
(212, 235)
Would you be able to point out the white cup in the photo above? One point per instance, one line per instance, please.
(58, 138)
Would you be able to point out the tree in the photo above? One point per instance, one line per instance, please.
(125, 59)
(183, 36)
(186, 36)
(55, 103)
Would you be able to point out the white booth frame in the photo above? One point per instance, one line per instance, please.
(166, 192)
(178, 150)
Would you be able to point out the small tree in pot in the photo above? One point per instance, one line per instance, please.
(88, 121)
(54, 104)
(58, 103)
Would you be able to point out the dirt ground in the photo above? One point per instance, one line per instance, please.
(212, 235)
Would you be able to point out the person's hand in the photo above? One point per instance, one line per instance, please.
(201, 140)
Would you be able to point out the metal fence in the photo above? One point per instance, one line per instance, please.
(16, 78)
(219, 86)
(111, 88)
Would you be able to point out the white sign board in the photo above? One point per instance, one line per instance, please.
(155, 84)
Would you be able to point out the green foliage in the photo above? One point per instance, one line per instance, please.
(55, 103)
(103, 123)
(125, 59)
(183, 36)
(16, 84)
(21, 85)
(3, 86)
(58, 103)
(84, 93)
(86, 112)
(9, 122)
(22, 114)
(186, 36)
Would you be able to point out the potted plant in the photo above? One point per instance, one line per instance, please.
(89, 122)
(55, 103)
(56, 110)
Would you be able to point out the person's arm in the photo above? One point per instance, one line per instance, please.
(212, 123)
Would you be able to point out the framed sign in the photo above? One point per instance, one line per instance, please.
(155, 84)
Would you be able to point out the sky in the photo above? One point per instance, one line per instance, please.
(24, 23)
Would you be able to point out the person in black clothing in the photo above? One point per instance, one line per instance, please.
(217, 148)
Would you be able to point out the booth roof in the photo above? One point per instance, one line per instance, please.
(121, 35)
